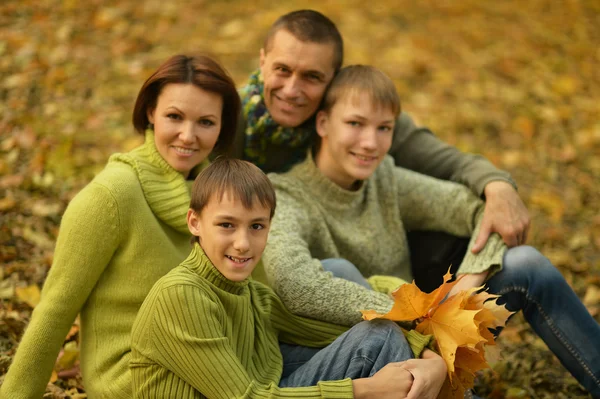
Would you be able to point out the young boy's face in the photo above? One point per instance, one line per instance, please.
(232, 236)
(356, 136)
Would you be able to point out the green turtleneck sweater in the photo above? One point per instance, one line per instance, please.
(199, 334)
(317, 219)
(118, 236)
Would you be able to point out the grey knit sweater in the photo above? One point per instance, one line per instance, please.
(316, 219)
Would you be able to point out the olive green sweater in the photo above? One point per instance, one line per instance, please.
(199, 334)
(118, 236)
(317, 219)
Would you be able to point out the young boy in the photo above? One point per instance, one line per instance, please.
(344, 212)
(207, 330)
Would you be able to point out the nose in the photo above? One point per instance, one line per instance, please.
(241, 242)
(369, 140)
(291, 87)
(187, 133)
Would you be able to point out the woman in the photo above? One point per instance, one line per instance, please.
(126, 229)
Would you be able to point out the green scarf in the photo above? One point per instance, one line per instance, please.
(166, 191)
(262, 130)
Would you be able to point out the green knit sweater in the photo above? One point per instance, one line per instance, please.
(118, 236)
(199, 334)
(316, 219)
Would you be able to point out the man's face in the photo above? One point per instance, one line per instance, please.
(232, 236)
(296, 74)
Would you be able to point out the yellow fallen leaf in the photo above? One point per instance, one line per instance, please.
(30, 295)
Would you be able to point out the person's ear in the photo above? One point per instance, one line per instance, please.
(262, 58)
(193, 222)
(321, 123)
(150, 115)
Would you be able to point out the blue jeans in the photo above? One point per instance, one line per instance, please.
(358, 353)
(529, 282)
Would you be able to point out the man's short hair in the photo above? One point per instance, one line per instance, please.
(361, 80)
(309, 26)
(240, 179)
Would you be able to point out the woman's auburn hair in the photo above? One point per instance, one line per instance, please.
(201, 71)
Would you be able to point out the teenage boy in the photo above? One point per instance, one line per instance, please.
(207, 330)
(347, 200)
(302, 53)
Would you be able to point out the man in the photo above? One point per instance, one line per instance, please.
(301, 54)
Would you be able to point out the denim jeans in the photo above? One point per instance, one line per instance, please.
(529, 282)
(358, 353)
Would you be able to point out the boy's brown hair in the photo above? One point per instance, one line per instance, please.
(243, 180)
(361, 80)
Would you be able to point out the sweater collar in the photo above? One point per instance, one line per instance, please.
(199, 264)
(322, 187)
(165, 189)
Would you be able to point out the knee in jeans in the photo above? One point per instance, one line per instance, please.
(337, 265)
(528, 262)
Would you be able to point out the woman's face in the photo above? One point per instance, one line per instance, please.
(187, 122)
(355, 137)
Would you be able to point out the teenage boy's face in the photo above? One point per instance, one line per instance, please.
(295, 74)
(356, 136)
(232, 236)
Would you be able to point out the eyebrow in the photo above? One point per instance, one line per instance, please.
(307, 72)
(233, 219)
(181, 112)
(357, 116)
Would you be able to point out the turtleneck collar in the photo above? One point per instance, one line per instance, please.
(165, 189)
(322, 187)
(199, 263)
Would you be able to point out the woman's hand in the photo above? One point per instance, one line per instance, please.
(429, 374)
(392, 381)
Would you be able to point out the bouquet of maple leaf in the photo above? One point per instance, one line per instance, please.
(460, 325)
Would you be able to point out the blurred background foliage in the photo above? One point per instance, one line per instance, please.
(518, 82)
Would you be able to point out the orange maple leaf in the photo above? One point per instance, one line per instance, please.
(460, 325)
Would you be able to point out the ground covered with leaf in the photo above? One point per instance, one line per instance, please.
(515, 81)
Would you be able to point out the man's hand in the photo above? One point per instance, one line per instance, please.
(504, 214)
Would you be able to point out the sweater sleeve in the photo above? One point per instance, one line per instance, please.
(431, 204)
(299, 279)
(420, 150)
(89, 235)
(186, 336)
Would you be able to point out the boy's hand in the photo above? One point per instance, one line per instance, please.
(468, 281)
(429, 374)
(392, 381)
(504, 214)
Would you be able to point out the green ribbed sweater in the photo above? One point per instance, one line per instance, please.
(118, 236)
(317, 219)
(199, 334)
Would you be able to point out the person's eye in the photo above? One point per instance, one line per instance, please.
(385, 128)
(314, 78)
(226, 225)
(282, 69)
(353, 123)
(206, 122)
(174, 116)
(257, 226)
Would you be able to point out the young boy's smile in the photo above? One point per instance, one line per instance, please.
(231, 235)
(355, 137)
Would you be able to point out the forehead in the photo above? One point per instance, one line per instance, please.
(286, 49)
(187, 94)
(362, 103)
(227, 203)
